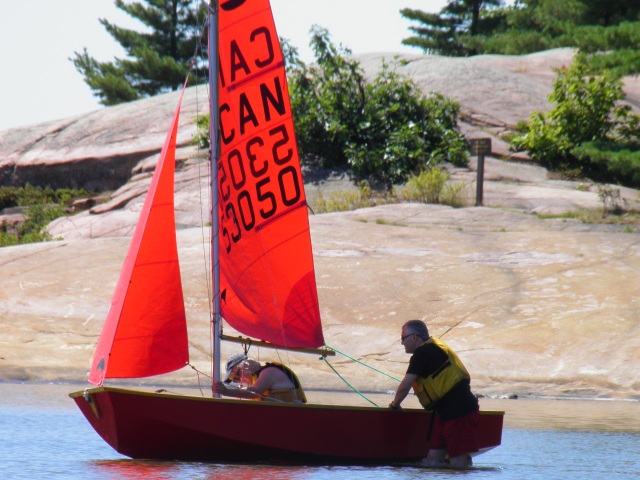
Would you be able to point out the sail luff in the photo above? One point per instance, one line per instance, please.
(145, 331)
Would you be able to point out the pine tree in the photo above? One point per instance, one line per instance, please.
(157, 61)
(607, 30)
(440, 33)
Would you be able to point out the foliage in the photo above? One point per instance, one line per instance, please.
(613, 162)
(201, 138)
(402, 132)
(432, 186)
(454, 194)
(629, 218)
(587, 130)
(30, 195)
(429, 186)
(43, 205)
(608, 30)
(612, 201)
(440, 33)
(345, 200)
(327, 99)
(157, 61)
(384, 129)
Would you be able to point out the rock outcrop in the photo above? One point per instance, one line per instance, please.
(534, 306)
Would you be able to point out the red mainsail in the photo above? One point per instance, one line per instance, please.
(267, 286)
(145, 332)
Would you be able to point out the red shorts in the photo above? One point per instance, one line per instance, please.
(457, 436)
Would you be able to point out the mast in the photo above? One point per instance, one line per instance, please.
(213, 136)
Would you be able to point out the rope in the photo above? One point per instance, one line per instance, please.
(362, 363)
(198, 373)
(347, 383)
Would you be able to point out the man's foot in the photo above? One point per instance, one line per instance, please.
(461, 461)
(425, 462)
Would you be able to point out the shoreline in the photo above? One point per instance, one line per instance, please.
(321, 391)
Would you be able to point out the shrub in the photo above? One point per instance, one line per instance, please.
(426, 187)
(587, 131)
(43, 206)
(614, 162)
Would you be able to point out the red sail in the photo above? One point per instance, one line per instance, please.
(268, 287)
(145, 332)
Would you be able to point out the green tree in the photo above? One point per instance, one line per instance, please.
(610, 12)
(588, 131)
(384, 129)
(157, 61)
(612, 48)
(529, 26)
(608, 30)
(440, 33)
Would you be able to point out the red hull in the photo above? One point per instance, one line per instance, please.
(146, 425)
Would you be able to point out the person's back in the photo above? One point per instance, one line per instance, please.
(273, 381)
(278, 382)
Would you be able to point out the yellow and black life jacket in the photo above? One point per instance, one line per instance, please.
(293, 395)
(432, 388)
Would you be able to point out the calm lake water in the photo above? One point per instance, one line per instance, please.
(43, 435)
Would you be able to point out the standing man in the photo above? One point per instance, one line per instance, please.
(443, 386)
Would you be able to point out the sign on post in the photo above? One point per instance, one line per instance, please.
(479, 147)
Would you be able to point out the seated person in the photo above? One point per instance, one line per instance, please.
(273, 381)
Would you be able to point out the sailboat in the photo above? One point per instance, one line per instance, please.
(263, 286)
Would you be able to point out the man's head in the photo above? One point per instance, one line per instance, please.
(234, 366)
(414, 333)
(241, 369)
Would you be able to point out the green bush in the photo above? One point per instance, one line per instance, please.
(43, 206)
(384, 129)
(617, 162)
(585, 128)
(431, 186)
(346, 200)
(426, 187)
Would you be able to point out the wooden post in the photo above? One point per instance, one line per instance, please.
(480, 180)
(479, 147)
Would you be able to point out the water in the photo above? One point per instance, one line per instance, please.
(43, 435)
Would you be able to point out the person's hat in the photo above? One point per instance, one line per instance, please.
(232, 361)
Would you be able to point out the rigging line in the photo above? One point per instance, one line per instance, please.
(198, 373)
(362, 363)
(347, 383)
(200, 177)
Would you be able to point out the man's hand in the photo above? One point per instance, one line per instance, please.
(219, 388)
